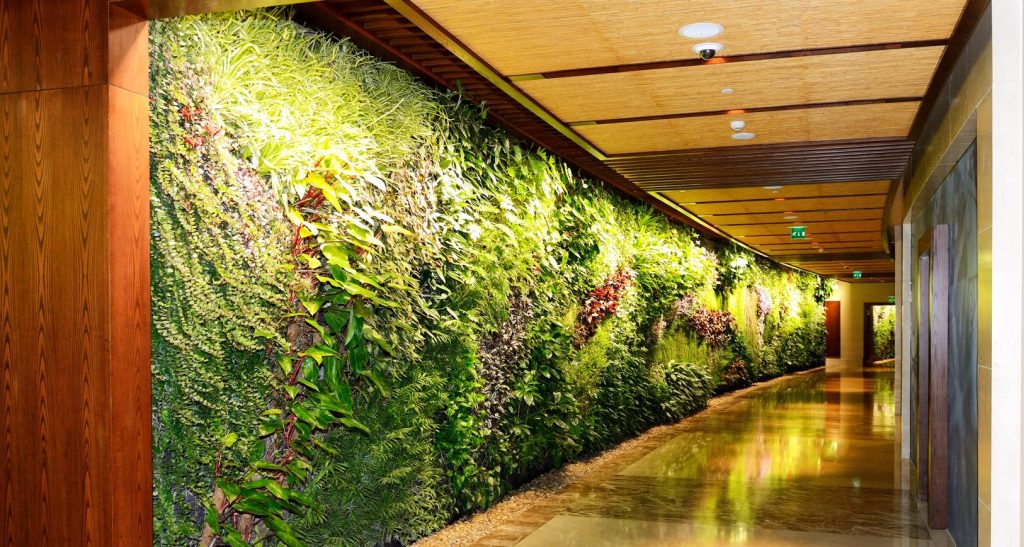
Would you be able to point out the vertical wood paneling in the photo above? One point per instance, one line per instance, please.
(6, 327)
(938, 435)
(923, 372)
(46, 44)
(55, 350)
(129, 51)
(75, 459)
(128, 203)
(833, 346)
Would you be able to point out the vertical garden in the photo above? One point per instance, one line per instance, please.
(373, 313)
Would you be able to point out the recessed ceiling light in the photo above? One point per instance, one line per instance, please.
(773, 188)
(698, 31)
(791, 217)
(744, 135)
(727, 90)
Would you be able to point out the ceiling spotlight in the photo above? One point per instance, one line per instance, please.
(791, 217)
(743, 136)
(700, 31)
(727, 90)
(738, 125)
(773, 188)
(707, 50)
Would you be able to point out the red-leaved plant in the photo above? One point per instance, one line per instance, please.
(601, 303)
(714, 327)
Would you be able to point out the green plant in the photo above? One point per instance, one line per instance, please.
(884, 335)
(689, 386)
(374, 312)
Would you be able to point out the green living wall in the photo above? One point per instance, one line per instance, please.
(373, 313)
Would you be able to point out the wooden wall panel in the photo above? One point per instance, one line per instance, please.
(46, 44)
(128, 259)
(56, 352)
(74, 285)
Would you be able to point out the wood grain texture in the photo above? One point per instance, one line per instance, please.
(56, 353)
(771, 164)
(780, 191)
(788, 126)
(923, 370)
(534, 36)
(128, 43)
(47, 44)
(129, 327)
(938, 377)
(832, 328)
(771, 83)
(814, 229)
(74, 286)
(796, 205)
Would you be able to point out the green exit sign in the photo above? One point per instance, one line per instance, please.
(857, 275)
(892, 299)
(798, 232)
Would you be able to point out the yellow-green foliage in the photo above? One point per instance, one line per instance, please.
(478, 257)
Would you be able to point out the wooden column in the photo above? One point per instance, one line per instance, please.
(75, 434)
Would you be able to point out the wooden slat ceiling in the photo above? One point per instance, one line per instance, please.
(832, 89)
(536, 36)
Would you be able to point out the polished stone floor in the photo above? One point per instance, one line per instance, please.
(811, 459)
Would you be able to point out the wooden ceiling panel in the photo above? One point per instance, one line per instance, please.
(770, 164)
(777, 191)
(852, 237)
(865, 75)
(534, 36)
(813, 228)
(804, 216)
(827, 247)
(782, 126)
(795, 205)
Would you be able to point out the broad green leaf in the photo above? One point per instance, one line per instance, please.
(212, 517)
(292, 391)
(234, 539)
(350, 422)
(286, 363)
(335, 254)
(229, 439)
(395, 229)
(333, 372)
(312, 305)
(312, 261)
(377, 380)
(309, 369)
(335, 320)
(372, 335)
(258, 504)
(320, 330)
(318, 352)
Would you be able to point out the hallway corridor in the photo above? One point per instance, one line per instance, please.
(811, 459)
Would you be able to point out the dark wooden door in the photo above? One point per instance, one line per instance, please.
(932, 454)
(832, 346)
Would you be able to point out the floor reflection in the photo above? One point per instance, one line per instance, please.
(809, 460)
